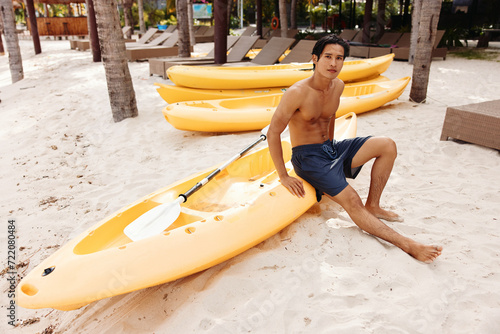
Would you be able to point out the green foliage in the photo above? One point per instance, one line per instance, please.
(318, 13)
(172, 20)
(19, 16)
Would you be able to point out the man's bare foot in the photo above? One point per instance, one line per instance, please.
(424, 253)
(384, 214)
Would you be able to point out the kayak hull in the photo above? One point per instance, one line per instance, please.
(173, 93)
(250, 77)
(241, 207)
(254, 113)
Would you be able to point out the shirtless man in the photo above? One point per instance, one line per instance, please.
(308, 108)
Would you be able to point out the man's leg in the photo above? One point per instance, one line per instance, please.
(351, 202)
(384, 151)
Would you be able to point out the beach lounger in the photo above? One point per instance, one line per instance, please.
(273, 50)
(267, 35)
(207, 36)
(402, 51)
(168, 48)
(477, 123)
(236, 54)
(84, 44)
(160, 66)
(301, 53)
(127, 32)
(348, 34)
(249, 31)
(358, 48)
(171, 28)
(388, 40)
(154, 42)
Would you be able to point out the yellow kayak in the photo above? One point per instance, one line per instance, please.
(253, 113)
(173, 93)
(242, 206)
(284, 75)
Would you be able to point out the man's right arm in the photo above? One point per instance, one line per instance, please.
(280, 120)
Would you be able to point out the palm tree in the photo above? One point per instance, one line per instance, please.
(183, 27)
(127, 15)
(283, 18)
(429, 17)
(142, 24)
(120, 87)
(415, 21)
(15, 59)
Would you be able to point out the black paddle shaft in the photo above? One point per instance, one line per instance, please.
(200, 184)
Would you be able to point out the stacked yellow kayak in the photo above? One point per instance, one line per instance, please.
(222, 77)
(173, 93)
(230, 214)
(255, 112)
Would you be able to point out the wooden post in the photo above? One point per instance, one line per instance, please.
(220, 35)
(94, 37)
(34, 27)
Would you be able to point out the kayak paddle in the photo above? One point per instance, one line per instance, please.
(162, 216)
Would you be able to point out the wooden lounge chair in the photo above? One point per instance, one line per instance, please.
(168, 48)
(273, 50)
(236, 54)
(477, 123)
(249, 31)
(301, 53)
(160, 66)
(348, 34)
(127, 32)
(84, 44)
(402, 51)
(436, 51)
(358, 48)
(290, 33)
(385, 43)
(147, 36)
(206, 37)
(154, 42)
(171, 28)
(241, 48)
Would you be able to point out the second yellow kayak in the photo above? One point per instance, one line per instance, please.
(254, 113)
(173, 93)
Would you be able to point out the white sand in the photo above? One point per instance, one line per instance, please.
(65, 165)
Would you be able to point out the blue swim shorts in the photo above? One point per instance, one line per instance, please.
(325, 166)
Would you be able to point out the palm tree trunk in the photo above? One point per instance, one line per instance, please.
(142, 24)
(183, 27)
(293, 14)
(429, 18)
(127, 15)
(15, 59)
(380, 19)
(2, 50)
(283, 19)
(415, 21)
(220, 35)
(367, 21)
(120, 88)
(190, 13)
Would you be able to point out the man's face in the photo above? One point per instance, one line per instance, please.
(331, 61)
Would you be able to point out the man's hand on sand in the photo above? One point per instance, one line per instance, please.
(293, 185)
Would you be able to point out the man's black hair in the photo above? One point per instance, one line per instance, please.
(329, 39)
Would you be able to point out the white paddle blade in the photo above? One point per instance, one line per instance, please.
(153, 222)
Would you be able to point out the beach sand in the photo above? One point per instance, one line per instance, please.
(66, 165)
